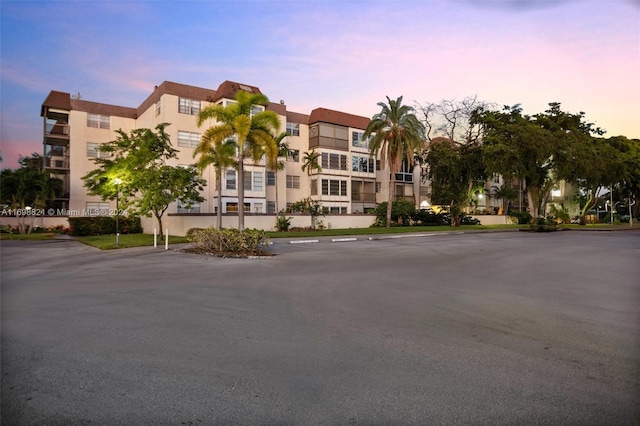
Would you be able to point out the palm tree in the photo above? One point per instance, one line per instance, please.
(253, 133)
(397, 134)
(277, 164)
(311, 162)
(505, 193)
(220, 154)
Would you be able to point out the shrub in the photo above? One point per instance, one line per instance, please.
(607, 218)
(227, 242)
(468, 220)
(521, 217)
(283, 223)
(428, 217)
(401, 212)
(98, 225)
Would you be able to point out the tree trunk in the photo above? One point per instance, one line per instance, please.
(392, 196)
(241, 192)
(533, 205)
(275, 173)
(159, 224)
(219, 207)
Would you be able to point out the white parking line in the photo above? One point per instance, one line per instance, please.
(303, 241)
(390, 237)
(337, 240)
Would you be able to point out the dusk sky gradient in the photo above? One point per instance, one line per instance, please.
(342, 55)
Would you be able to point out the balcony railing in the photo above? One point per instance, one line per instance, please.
(57, 164)
(364, 197)
(57, 129)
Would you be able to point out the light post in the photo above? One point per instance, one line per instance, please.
(117, 182)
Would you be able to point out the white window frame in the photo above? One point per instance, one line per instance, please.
(98, 121)
(188, 139)
(188, 106)
(293, 129)
(293, 182)
(94, 152)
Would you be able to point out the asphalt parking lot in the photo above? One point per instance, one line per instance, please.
(488, 328)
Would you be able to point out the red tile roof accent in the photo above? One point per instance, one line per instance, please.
(279, 109)
(296, 117)
(104, 109)
(228, 89)
(325, 115)
(55, 99)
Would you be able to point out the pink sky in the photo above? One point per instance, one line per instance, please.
(340, 55)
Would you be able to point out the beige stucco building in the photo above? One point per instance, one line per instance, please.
(350, 182)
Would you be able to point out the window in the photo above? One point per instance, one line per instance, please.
(233, 207)
(257, 181)
(329, 135)
(293, 182)
(496, 178)
(188, 106)
(158, 108)
(271, 178)
(362, 164)
(97, 209)
(98, 121)
(314, 186)
(184, 208)
(378, 187)
(293, 129)
(93, 151)
(247, 181)
(294, 155)
(358, 141)
(334, 161)
(271, 207)
(188, 139)
(334, 187)
(256, 109)
(337, 210)
(231, 179)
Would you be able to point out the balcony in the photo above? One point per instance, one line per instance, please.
(363, 197)
(57, 129)
(56, 163)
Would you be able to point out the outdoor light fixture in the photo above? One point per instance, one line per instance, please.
(117, 181)
(555, 193)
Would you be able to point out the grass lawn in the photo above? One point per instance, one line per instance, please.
(383, 230)
(108, 242)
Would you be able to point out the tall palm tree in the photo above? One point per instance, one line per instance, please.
(221, 155)
(397, 134)
(253, 133)
(311, 162)
(277, 164)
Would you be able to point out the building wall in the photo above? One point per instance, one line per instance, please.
(292, 183)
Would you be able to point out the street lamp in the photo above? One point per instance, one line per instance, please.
(117, 181)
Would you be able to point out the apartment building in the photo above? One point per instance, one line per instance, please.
(350, 181)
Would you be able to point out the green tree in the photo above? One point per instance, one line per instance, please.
(515, 145)
(278, 163)
(396, 134)
(252, 130)
(311, 162)
(28, 187)
(136, 172)
(455, 170)
(505, 193)
(308, 206)
(219, 154)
